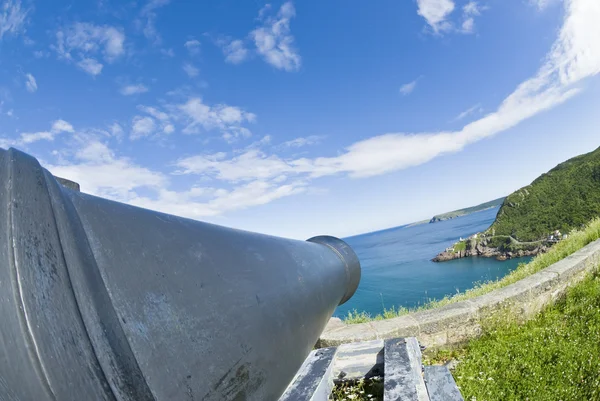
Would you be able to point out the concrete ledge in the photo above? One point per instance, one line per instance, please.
(461, 321)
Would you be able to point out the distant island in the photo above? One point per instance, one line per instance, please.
(537, 216)
(466, 211)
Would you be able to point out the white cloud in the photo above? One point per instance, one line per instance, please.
(190, 70)
(142, 127)
(27, 138)
(257, 177)
(475, 109)
(149, 14)
(116, 130)
(303, 141)
(574, 57)
(192, 46)
(58, 127)
(100, 172)
(91, 39)
(161, 117)
(136, 89)
(61, 126)
(85, 41)
(235, 52)
(274, 41)
(470, 11)
(12, 18)
(436, 13)
(228, 119)
(91, 66)
(30, 83)
(408, 88)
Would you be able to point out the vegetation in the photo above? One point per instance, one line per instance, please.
(577, 240)
(360, 390)
(562, 199)
(460, 246)
(466, 211)
(555, 356)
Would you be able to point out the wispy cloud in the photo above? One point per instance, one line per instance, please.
(12, 18)
(190, 70)
(408, 88)
(472, 110)
(30, 83)
(542, 4)
(302, 141)
(436, 13)
(574, 57)
(246, 177)
(91, 66)
(86, 42)
(26, 138)
(192, 46)
(228, 119)
(470, 10)
(274, 41)
(142, 127)
(136, 89)
(148, 20)
(234, 50)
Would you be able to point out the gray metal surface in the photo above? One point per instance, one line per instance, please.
(105, 301)
(441, 385)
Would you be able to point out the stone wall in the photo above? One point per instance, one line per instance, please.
(458, 322)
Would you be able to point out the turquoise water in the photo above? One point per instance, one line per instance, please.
(397, 269)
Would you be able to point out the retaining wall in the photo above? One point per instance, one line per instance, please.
(461, 321)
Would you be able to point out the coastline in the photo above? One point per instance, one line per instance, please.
(480, 245)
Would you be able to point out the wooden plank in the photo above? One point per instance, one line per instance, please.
(403, 379)
(314, 380)
(441, 385)
(358, 360)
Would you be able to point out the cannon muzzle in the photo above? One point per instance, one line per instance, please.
(101, 300)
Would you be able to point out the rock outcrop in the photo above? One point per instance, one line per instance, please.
(481, 248)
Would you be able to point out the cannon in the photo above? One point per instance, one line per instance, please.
(101, 300)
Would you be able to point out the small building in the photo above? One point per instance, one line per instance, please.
(565, 236)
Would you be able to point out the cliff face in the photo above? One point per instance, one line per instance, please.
(483, 248)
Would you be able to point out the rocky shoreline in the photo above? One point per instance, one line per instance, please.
(481, 249)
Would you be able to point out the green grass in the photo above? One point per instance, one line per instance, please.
(577, 240)
(460, 246)
(555, 356)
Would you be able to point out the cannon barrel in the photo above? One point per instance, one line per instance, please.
(101, 300)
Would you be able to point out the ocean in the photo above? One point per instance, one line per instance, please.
(397, 269)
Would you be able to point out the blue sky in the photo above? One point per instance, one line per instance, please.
(300, 118)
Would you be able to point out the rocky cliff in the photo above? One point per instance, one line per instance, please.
(487, 247)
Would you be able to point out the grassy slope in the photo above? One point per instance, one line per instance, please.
(564, 198)
(469, 210)
(576, 241)
(556, 356)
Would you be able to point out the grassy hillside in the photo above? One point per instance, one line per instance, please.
(466, 211)
(565, 198)
(555, 356)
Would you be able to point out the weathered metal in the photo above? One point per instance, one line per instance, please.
(104, 301)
